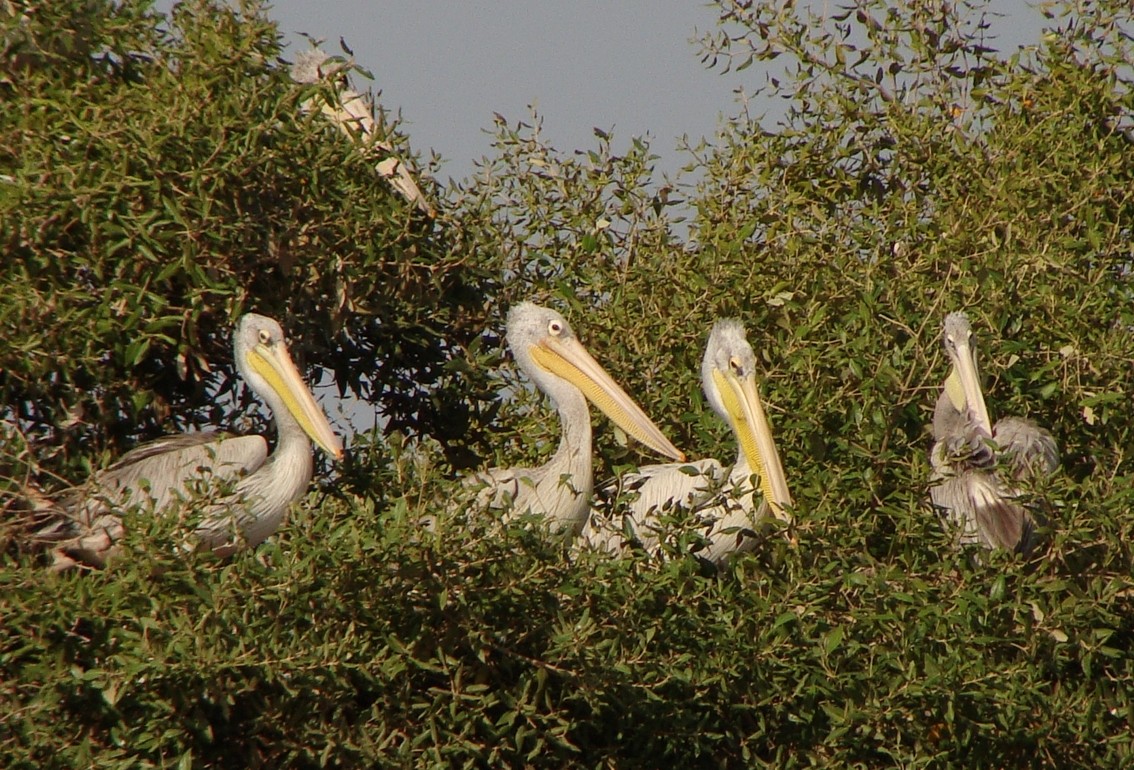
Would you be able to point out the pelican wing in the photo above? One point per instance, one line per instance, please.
(981, 507)
(636, 499)
(503, 488)
(984, 512)
(159, 471)
(1029, 450)
(87, 522)
(662, 486)
(163, 469)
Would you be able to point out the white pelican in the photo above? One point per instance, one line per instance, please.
(726, 503)
(547, 351)
(354, 115)
(254, 489)
(977, 466)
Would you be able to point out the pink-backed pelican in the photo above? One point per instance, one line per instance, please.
(250, 491)
(977, 466)
(560, 491)
(729, 504)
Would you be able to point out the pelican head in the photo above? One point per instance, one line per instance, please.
(728, 373)
(547, 349)
(265, 364)
(963, 383)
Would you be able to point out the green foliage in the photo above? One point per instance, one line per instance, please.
(355, 639)
(916, 171)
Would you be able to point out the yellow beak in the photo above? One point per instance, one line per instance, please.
(571, 361)
(964, 382)
(274, 364)
(746, 412)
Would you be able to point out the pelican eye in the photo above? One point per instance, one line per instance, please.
(735, 365)
(265, 336)
(554, 328)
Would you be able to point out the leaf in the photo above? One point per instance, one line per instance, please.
(832, 639)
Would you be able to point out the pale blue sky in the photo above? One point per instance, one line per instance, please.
(448, 66)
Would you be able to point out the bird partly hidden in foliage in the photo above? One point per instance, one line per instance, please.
(977, 467)
(729, 504)
(548, 352)
(241, 493)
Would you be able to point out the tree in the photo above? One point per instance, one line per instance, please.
(161, 179)
(917, 171)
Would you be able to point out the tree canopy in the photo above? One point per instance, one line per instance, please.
(159, 175)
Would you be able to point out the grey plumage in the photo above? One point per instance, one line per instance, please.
(979, 469)
(353, 114)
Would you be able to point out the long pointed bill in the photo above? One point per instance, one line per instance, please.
(275, 366)
(964, 366)
(742, 402)
(571, 361)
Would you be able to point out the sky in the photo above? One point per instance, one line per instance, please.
(582, 64)
(448, 66)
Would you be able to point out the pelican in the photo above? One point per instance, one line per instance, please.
(354, 115)
(977, 466)
(251, 491)
(726, 502)
(547, 351)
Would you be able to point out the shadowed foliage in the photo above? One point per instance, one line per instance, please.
(916, 170)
